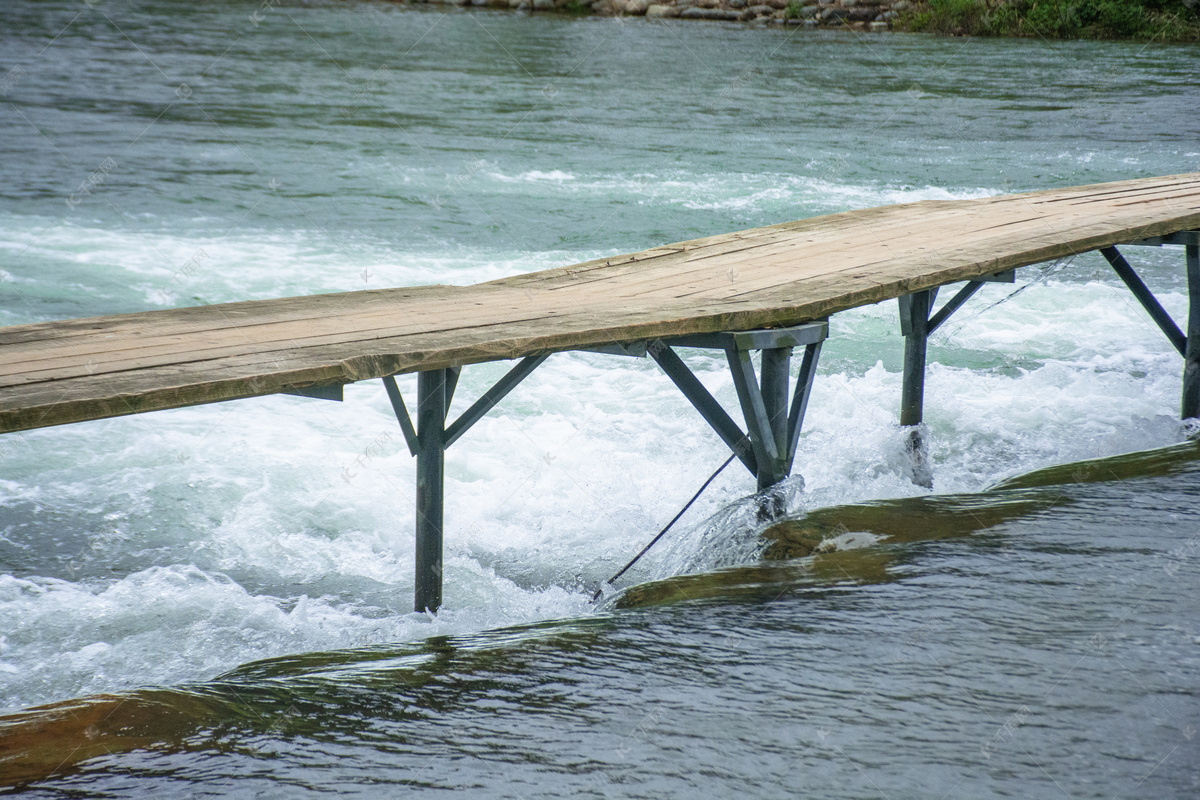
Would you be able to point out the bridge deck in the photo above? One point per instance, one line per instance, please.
(68, 371)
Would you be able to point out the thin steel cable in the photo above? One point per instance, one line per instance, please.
(663, 532)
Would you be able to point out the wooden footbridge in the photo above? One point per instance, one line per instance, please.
(768, 289)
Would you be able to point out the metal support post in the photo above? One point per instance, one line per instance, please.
(431, 453)
(775, 365)
(428, 442)
(754, 409)
(914, 324)
(1191, 356)
(774, 389)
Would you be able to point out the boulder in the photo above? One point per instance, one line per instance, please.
(711, 14)
(659, 10)
(636, 7)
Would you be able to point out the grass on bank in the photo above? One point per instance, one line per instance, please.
(1158, 20)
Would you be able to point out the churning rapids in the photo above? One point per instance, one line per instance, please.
(220, 595)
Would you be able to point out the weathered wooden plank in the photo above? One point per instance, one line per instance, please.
(57, 372)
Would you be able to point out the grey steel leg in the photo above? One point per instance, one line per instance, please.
(431, 422)
(1191, 356)
(914, 323)
(774, 382)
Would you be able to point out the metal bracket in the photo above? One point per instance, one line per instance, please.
(768, 338)
(633, 349)
(759, 420)
(452, 375)
(1181, 237)
(934, 321)
(913, 318)
(705, 403)
(953, 304)
(332, 391)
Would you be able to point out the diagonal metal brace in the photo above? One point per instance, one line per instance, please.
(1146, 298)
(804, 382)
(754, 409)
(406, 426)
(452, 375)
(705, 403)
(768, 448)
(953, 304)
(491, 397)
(469, 417)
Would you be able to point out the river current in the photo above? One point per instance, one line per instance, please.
(224, 592)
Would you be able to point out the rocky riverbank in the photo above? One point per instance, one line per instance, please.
(1147, 20)
(863, 15)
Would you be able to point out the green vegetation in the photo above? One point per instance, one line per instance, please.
(793, 10)
(1157, 20)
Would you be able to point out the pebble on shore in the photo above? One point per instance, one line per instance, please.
(861, 15)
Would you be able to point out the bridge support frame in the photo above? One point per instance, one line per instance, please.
(1187, 344)
(917, 322)
(767, 448)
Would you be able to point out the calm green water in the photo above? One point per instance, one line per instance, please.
(181, 561)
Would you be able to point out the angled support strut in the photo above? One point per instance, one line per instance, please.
(768, 446)
(1149, 302)
(428, 442)
(705, 403)
(917, 321)
(1187, 345)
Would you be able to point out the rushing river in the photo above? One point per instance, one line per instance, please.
(237, 578)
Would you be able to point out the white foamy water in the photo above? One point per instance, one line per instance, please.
(173, 546)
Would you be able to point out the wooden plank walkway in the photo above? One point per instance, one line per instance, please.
(58, 372)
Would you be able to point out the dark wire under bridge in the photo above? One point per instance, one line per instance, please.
(663, 532)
